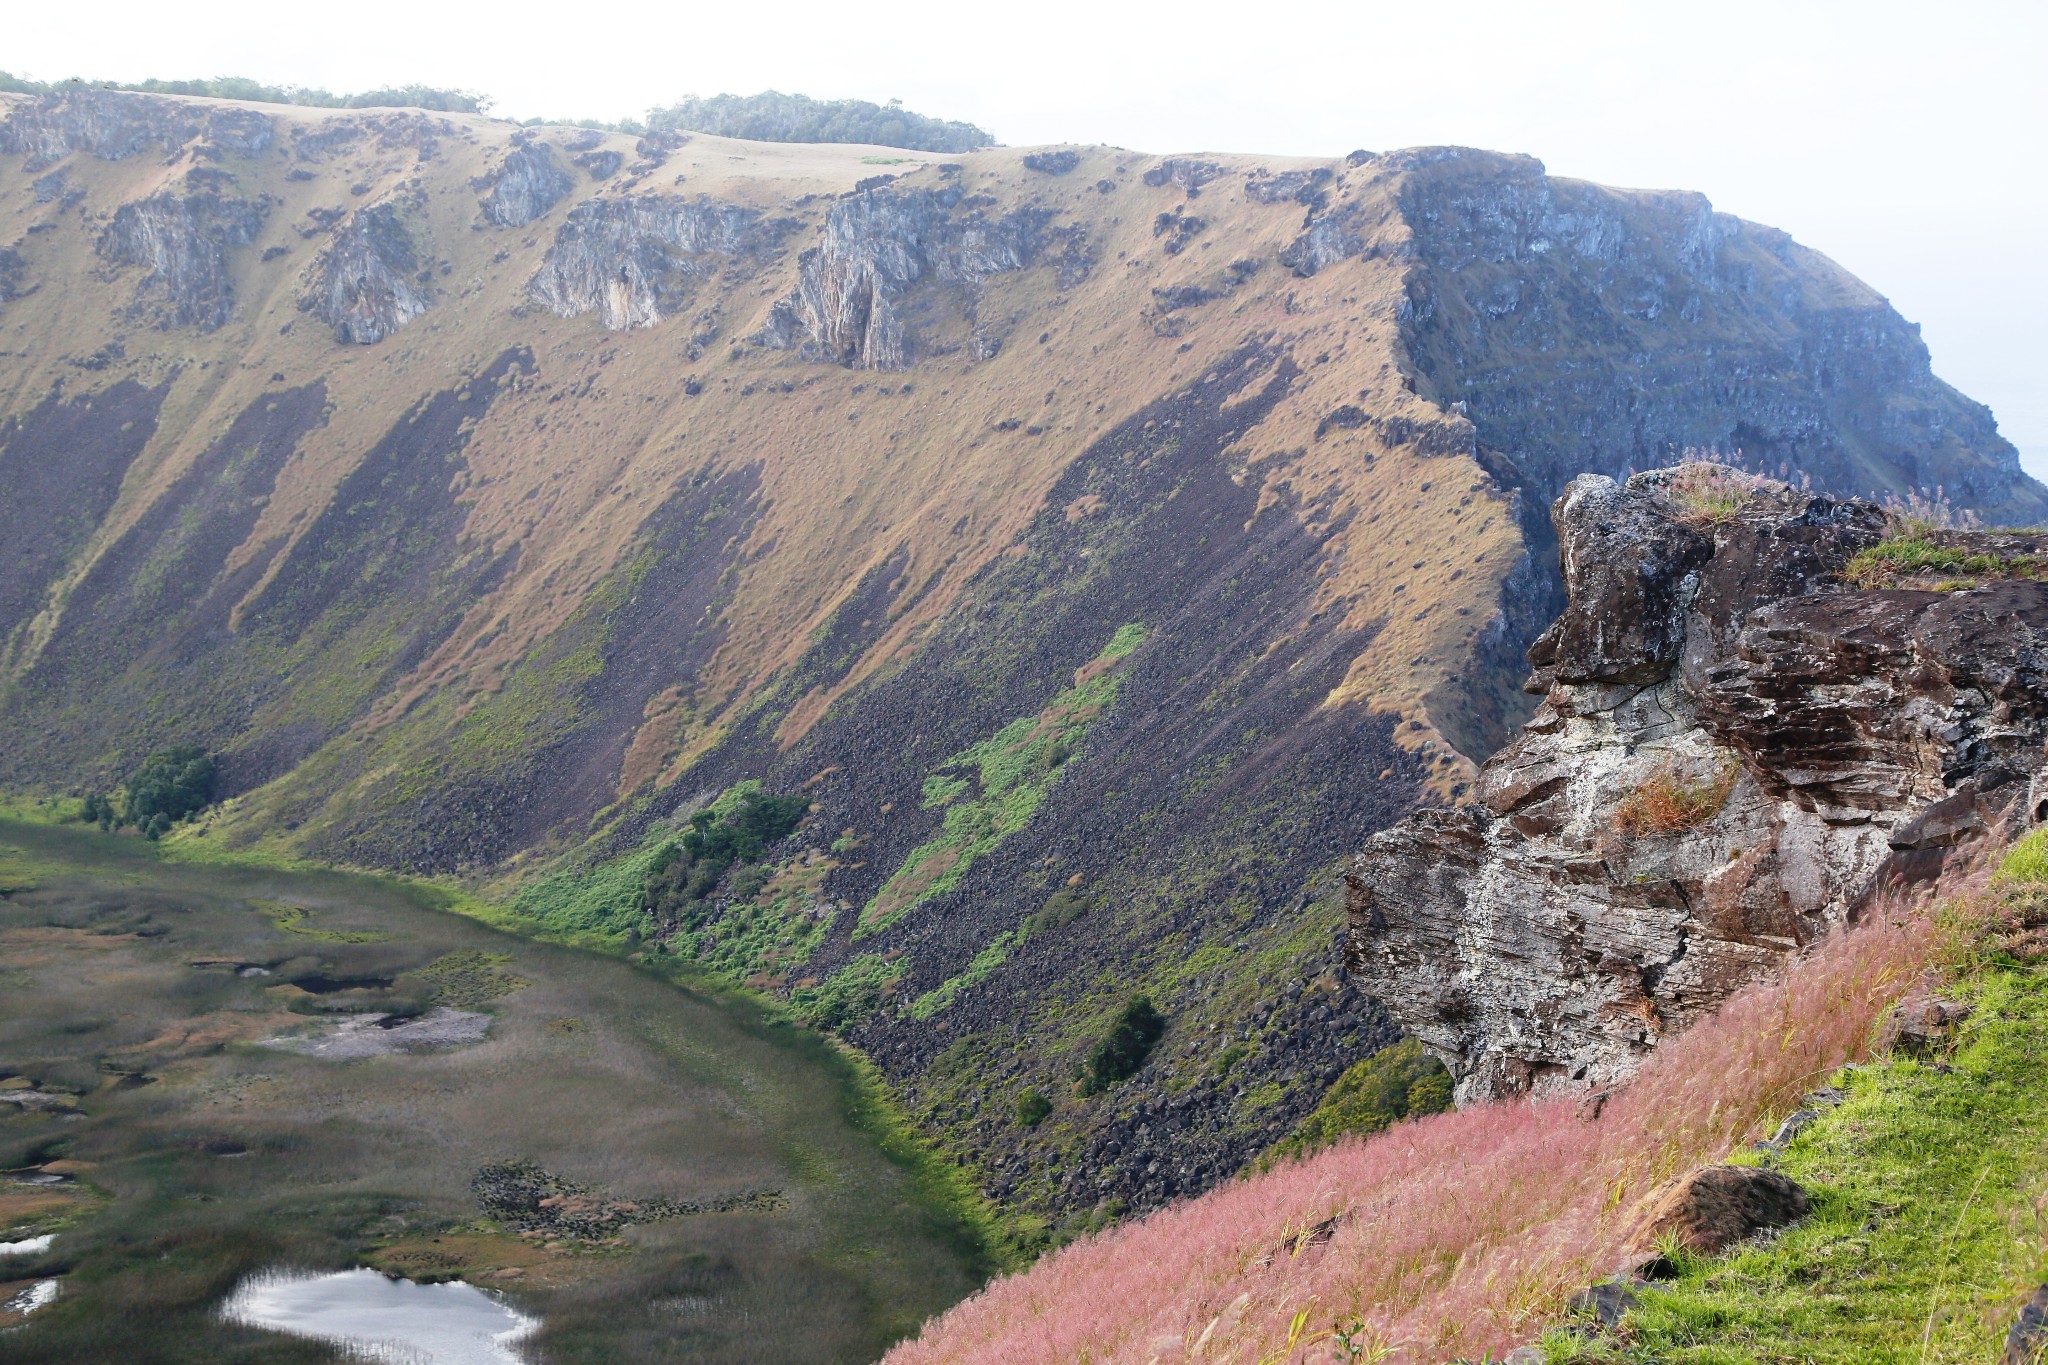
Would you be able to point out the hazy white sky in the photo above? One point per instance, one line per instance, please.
(1905, 140)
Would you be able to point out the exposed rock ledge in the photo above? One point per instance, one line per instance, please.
(368, 282)
(1828, 740)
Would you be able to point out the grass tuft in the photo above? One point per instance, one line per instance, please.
(1671, 802)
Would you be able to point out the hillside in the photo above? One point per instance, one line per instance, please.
(1736, 963)
(1104, 544)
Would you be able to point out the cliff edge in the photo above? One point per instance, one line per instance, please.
(1761, 708)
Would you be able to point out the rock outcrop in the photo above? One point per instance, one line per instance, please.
(1735, 750)
(525, 185)
(368, 282)
(115, 124)
(183, 240)
(634, 261)
(879, 244)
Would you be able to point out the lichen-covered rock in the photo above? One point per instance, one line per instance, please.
(368, 282)
(634, 261)
(183, 240)
(1052, 163)
(878, 245)
(113, 124)
(525, 185)
(1186, 173)
(1735, 749)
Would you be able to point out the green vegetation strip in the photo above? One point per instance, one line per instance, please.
(1903, 557)
(991, 789)
(1930, 1190)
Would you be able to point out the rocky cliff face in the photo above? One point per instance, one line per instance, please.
(878, 245)
(635, 261)
(1735, 751)
(115, 124)
(368, 281)
(182, 240)
(525, 185)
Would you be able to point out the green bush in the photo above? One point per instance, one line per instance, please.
(167, 787)
(1061, 908)
(737, 828)
(1032, 1107)
(1129, 1042)
(775, 117)
(1396, 1083)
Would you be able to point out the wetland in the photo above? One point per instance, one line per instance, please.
(219, 1083)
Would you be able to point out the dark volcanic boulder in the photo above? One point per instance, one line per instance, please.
(1718, 1206)
(1629, 570)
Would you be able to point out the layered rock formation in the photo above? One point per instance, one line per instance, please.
(115, 124)
(634, 261)
(1736, 750)
(525, 185)
(368, 281)
(183, 239)
(880, 243)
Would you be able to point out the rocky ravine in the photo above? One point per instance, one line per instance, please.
(1735, 751)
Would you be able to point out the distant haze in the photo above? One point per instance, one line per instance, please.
(1900, 139)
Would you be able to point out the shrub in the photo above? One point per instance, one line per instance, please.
(1129, 1042)
(737, 828)
(1395, 1083)
(1061, 908)
(98, 810)
(1032, 1107)
(1670, 802)
(168, 787)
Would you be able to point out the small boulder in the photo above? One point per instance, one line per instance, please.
(1921, 1028)
(2027, 1342)
(1606, 1303)
(1717, 1206)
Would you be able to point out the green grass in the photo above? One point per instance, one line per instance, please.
(1396, 1083)
(990, 790)
(1914, 556)
(979, 970)
(608, 900)
(1930, 1190)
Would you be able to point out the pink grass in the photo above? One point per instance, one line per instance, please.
(1457, 1235)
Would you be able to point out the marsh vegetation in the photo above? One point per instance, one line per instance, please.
(718, 1192)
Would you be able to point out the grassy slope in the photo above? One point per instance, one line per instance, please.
(1461, 1236)
(1930, 1188)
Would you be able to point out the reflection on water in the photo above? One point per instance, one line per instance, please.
(33, 1246)
(382, 1319)
(29, 1299)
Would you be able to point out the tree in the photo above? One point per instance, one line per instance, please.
(772, 116)
(168, 787)
(1129, 1042)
